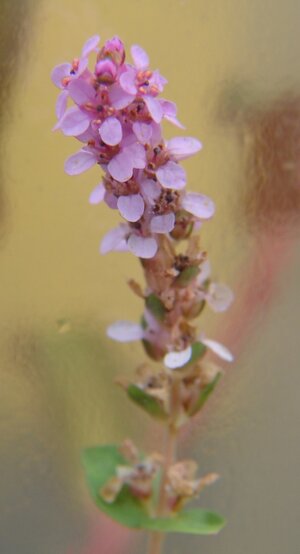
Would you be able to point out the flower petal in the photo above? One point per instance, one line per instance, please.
(150, 190)
(74, 122)
(90, 45)
(125, 331)
(83, 63)
(139, 56)
(111, 200)
(162, 223)
(111, 131)
(199, 205)
(205, 271)
(142, 131)
(183, 147)
(97, 194)
(136, 155)
(172, 360)
(154, 108)
(219, 297)
(81, 91)
(131, 207)
(120, 167)
(127, 81)
(59, 72)
(115, 240)
(119, 98)
(170, 112)
(61, 104)
(142, 247)
(171, 175)
(219, 349)
(79, 162)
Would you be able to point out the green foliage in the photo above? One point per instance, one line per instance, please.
(198, 351)
(204, 394)
(100, 464)
(156, 307)
(150, 404)
(187, 275)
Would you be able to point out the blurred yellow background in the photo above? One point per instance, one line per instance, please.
(232, 68)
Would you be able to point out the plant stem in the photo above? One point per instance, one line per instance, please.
(157, 539)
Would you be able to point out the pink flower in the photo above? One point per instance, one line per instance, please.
(124, 238)
(130, 156)
(170, 112)
(80, 162)
(66, 72)
(113, 49)
(140, 81)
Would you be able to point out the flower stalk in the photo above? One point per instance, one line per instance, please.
(115, 110)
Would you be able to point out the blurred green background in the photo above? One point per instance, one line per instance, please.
(232, 68)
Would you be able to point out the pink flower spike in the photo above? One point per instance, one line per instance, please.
(61, 104)
(154, 108)
(199, 205)
(111, 131)
(97, 195)
(90, 45)
(183, 147)
(139, 56)
(142, 131)
(125, 331)
(219, 297)
(115, 239)
(74, 122)
(59, 73)
(162, 223)
(219, 349)
(172, 360)
(172, 176)
(77, 163)
(131, 207)
(142, 247)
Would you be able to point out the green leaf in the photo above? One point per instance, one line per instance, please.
(100, 464)
(187, 275)
(156, 307)
(204, 394)
(198, 351)
(146, 401)
(195, 521)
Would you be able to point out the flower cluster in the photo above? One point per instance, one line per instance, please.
(139, 476)
(117, 112)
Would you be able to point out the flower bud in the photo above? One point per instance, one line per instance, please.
(106, 71)
(194, 310)
(154, 351)
(113, 49)
(183, 226)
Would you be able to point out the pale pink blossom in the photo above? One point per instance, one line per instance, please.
(66, 72)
